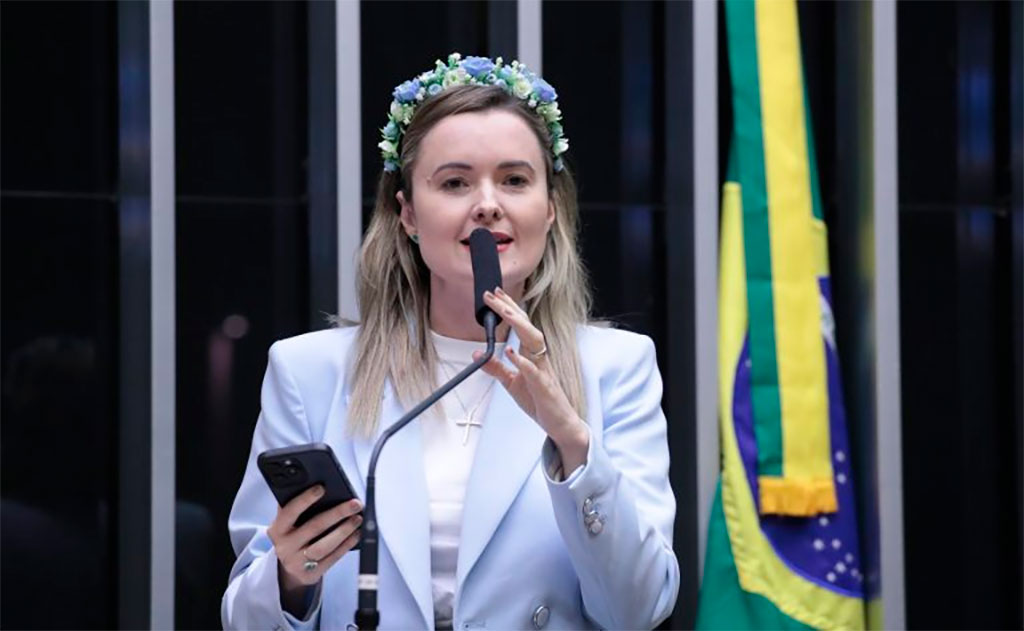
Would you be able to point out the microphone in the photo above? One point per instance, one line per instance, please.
(483, 252)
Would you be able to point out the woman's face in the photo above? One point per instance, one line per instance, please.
(479, 169)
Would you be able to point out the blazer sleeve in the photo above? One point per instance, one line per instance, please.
(616, 512)
(252, 599)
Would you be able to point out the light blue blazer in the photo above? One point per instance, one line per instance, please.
(527, 558)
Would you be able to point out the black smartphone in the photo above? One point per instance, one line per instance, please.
(291, 470)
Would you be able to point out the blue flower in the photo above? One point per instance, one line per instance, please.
(557, 166)
(478, 66)
(406, 93)
(390, 131)
(434, 89)
(390, 166)
(545, 93)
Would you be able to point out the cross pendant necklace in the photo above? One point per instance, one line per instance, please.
(468, 423)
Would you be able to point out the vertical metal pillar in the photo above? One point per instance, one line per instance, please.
(530, 34)
(349, 139)
(885, 205)
(163, 283)
(705, 260)
(146, 267)
(866, 279)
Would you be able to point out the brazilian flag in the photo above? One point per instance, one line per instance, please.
(782, 548)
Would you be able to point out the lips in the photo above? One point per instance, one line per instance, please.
(500, 238)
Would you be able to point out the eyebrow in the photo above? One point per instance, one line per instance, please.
(462, 166)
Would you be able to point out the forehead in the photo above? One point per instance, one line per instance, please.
(480, 139)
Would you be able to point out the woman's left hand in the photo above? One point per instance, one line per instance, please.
(534, 386)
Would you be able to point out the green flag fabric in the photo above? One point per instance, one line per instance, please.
(782, 548)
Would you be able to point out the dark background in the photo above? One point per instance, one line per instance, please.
(242, 85)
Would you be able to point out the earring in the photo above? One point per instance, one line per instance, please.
(415, 238)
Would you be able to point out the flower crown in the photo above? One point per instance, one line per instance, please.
(514, 78)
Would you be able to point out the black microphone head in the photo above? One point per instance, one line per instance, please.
(486, 269)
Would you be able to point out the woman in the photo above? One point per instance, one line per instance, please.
(542, 502)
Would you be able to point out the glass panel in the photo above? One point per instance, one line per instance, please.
(611, 96)
(59, 428)
(58, 337)
(59, 114)
(961, 436)
(242, 258)
(241, 286)
(240, 98)
(624, 252)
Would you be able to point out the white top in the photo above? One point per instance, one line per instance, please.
(449, 444)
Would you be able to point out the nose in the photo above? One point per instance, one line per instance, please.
(487, 209)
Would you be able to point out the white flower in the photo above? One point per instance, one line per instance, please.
(396, 110)
(532, 102)
(450, 78)
(426, 76)
(550, 112)
(522, 88)
(420, 94)
(561, 146)
(387, 146)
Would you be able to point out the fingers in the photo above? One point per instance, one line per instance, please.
(323, 548)
(526, 367)
(531, 338)
(294, 549)
(289, 513)
(495, 368)
(343, 548)
(327, 519)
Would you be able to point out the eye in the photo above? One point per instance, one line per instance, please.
(517, 180)
(453, 184)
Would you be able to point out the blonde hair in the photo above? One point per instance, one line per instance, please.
(394, 283)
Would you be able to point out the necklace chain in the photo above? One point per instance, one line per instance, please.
(469, 423)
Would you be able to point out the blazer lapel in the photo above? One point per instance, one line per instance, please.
(401, 501)
(508, 450)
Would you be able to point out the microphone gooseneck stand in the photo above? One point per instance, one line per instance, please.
(367, 617)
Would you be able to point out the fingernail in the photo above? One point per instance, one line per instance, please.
(500, 291)
(356, 504)
(488, 294)
(318, 490)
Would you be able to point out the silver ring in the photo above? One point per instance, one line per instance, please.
(541, 353)
(310, 565)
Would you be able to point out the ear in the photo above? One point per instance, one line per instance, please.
(551, 213)
(407, 215)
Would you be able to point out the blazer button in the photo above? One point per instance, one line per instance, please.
(540, 617)
(595, 527)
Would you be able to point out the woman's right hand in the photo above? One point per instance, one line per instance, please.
(293, 547)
